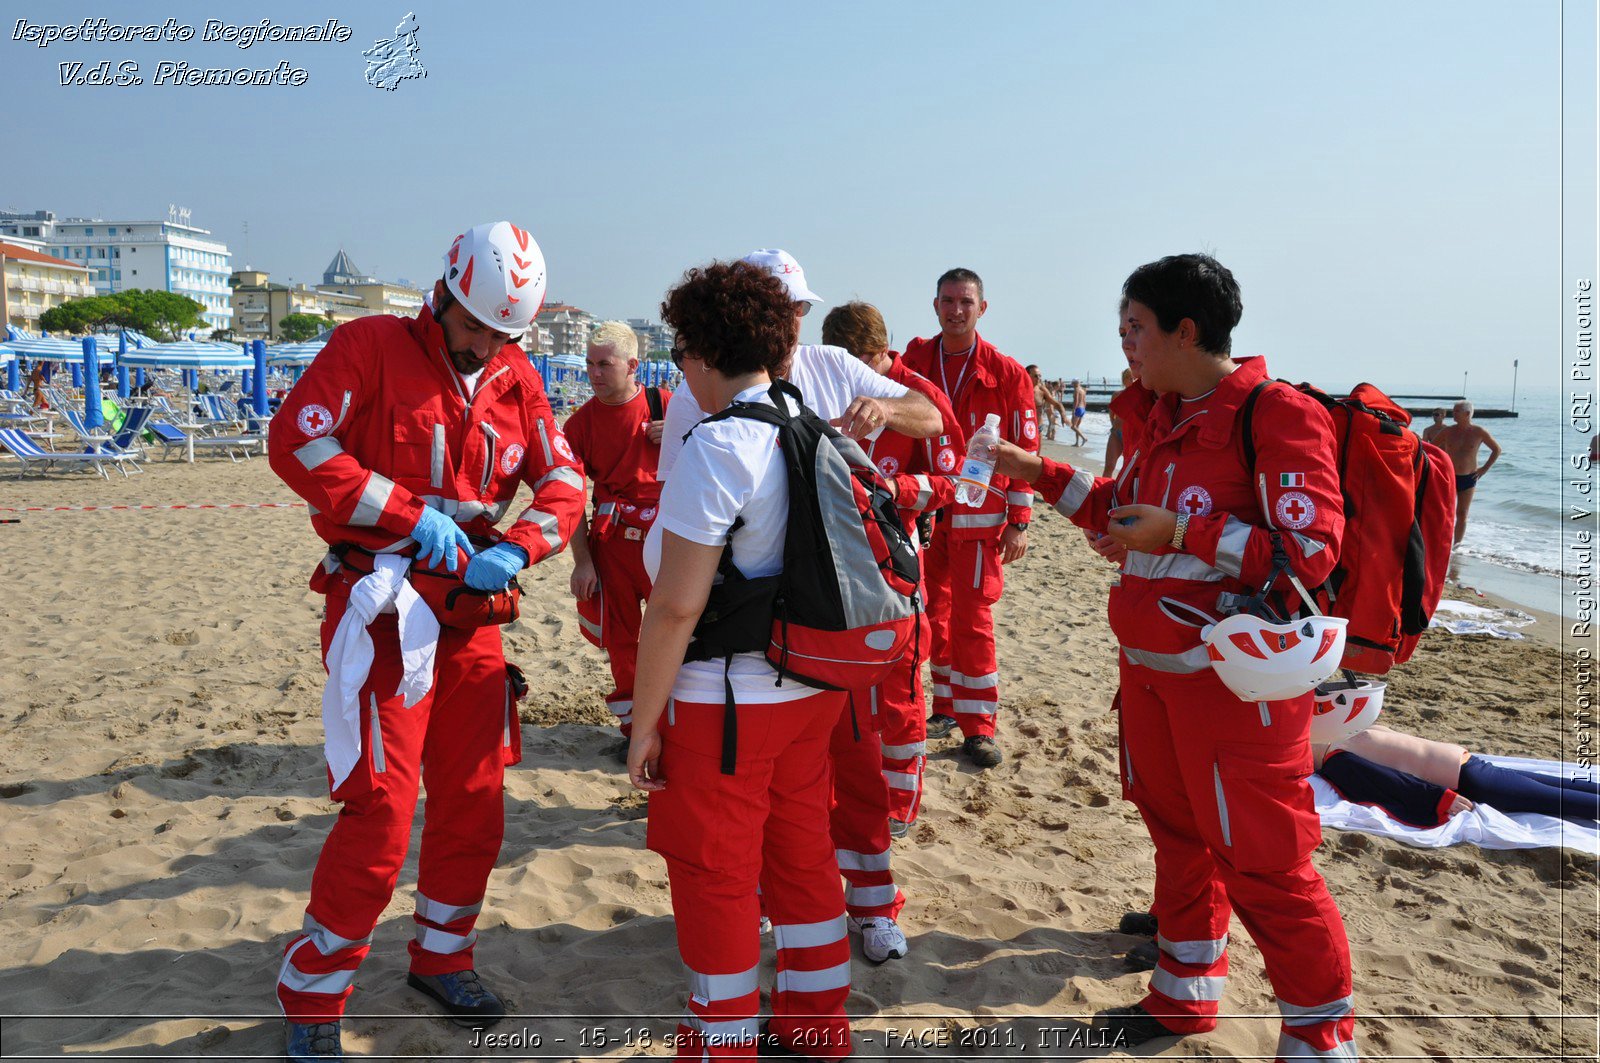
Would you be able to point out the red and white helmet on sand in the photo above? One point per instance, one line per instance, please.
(496, 271)
(1262, 661)
(1344, 709)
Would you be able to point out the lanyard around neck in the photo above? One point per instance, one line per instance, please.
(970, 354)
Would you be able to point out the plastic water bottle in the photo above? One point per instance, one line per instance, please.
(973, 483)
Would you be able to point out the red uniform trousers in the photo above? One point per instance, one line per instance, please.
(1221, 784)
(723, 836)
(902, 722)
(611, 618)
(860, 817)
(456, 742)
(964, 580)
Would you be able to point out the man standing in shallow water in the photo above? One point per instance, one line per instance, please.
(1461, 441)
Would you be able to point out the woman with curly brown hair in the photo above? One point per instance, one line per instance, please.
(767, 823)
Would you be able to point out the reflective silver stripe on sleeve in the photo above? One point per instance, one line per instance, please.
(1078, 489)
(924, 492)
(560, 474)
(977, 520)
(1231, 545)
(374, 497)
(436, 476)
(438, 912)
(549, 526)
(851, 860)
(1019, 498)
(1178, 987)
(808, 935)
(1195, 660)
(442, 942)
(318, 451)
(905, 752)
(1201, 953)
(1309, 547)
(1222, 806)
(1171, 566)
(835, 977)
(714, 987)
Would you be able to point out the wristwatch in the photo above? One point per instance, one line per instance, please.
(1020, 525)
(1178, 531)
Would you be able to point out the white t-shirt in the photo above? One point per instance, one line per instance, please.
(729, 469)
(829, 379)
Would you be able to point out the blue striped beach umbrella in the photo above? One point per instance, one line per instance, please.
(190, 354)
(295, 353)
(49, 349)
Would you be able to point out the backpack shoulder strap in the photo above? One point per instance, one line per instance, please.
(652, 398)
(1247, 435)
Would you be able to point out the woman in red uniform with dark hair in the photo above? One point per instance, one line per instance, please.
(1220, 782)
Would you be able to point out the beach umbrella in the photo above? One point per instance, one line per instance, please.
(13, 372)
(293, 354)
(258, 349)
(190, 355)
(93, 415)
(49, 349)
(122, 369)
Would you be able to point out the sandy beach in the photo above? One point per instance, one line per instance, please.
(162, 800)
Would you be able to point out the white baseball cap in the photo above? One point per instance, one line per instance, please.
(781, 264)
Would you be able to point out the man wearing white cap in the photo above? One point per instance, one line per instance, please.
(835, 385)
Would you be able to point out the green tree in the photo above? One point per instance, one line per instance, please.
(298, 327)
(81, 316)
(159, 313)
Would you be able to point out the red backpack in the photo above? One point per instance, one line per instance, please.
(1400, 513)
(843, 612)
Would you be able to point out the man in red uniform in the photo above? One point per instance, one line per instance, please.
(879, 745)
(409, 438)
(1220, 782)
(963, 570)
(617, 436)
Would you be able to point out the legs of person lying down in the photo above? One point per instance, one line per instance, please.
(1521, 791)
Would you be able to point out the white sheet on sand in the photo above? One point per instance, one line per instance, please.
(1483, 826)
(1464, 618)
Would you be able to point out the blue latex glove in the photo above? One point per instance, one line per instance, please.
(495, 567)
(439, 539)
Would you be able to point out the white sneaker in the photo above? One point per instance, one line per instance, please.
(881, 938)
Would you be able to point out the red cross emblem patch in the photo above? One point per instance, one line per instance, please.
(1295, 509)
(511, 459)
(1195, 501)
(314, 419)
(947, 460)
(889, 466)
(562, 446)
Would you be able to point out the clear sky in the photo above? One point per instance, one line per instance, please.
(1382, 178)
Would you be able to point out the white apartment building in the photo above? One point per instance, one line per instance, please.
(569, 329)
(169, 255)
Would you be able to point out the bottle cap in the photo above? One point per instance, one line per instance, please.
(991, 420)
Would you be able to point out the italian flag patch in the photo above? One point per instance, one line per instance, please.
(1292, 479)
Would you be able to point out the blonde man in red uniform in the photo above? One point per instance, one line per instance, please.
(409, 438)
(963, 566)
(879, 745)
(1220, 782)
(617, 436)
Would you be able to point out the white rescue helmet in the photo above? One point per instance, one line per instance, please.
(1344, 709)
(1260, 661)
(496, 272)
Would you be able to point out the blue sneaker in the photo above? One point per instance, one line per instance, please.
(462, 995)
(309, 1041)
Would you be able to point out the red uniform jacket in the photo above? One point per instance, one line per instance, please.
(380, 426)
(922, 471)
(613, 444)
(995, 384)
(1197, 465)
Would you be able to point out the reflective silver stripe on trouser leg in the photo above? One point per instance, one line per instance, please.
(326, 942)
(1222, 806)
(809, 935)
(1193, 988)
(977, 575)
(851, 860)
(1199, 953)
(1297, 1015)
(719, 987)
(439, 912)
(904, 752)
(836, 977)
(870, 896)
